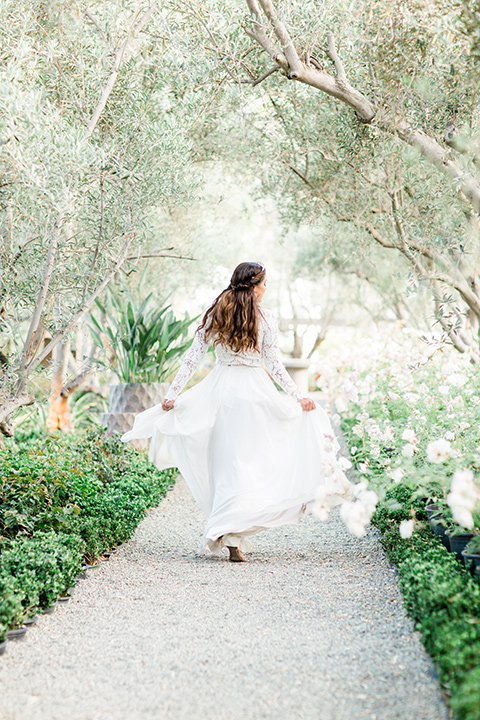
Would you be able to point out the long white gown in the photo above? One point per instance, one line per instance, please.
(252, 458)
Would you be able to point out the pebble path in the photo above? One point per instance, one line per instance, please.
(311, 628)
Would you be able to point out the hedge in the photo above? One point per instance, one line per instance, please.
(441, 596)
(65, 500)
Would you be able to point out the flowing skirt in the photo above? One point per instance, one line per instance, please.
(252, 458)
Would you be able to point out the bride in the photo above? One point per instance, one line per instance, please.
(252, 457)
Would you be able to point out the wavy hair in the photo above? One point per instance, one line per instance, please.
(232, 319)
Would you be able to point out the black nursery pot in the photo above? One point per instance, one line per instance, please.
(458, 543)
(472, 561)
(17, 634)
(439, 529)
(432, 509)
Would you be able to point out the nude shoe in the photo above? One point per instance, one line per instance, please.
(236, 555)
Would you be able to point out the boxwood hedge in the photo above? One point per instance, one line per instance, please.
(64, 500)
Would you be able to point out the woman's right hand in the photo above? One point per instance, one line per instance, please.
(307, 404)
(168, 405)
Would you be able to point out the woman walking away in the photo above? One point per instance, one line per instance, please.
(252, 457)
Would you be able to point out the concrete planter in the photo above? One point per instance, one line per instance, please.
(298, 370)
(126, 401)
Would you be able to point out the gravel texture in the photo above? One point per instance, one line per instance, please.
(312, 627)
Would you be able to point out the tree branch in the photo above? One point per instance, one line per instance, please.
(289, 51)
(33, 333)
(82, 309)
(332, 52)
(257, 33)
(7, 408)
(119, 55)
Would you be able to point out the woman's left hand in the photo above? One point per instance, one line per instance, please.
(168, 405)
(307, 404)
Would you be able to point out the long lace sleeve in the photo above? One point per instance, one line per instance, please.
(271, 358)
(192, 360)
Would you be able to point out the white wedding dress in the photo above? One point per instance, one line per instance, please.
(252, 458)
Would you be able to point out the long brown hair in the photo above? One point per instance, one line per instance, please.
(232, 319)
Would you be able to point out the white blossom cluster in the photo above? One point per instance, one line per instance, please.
(357, 513)
(463, 497)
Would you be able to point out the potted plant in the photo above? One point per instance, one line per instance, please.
(471, 553)
(458, 538)
(439, 525)
(3, 638)
(141, 344)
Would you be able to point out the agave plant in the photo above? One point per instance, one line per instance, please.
(142, 343)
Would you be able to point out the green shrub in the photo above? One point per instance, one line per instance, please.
(440, 595)
(63, 499)
(465, 702)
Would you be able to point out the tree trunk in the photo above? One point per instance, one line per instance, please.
(59, 415)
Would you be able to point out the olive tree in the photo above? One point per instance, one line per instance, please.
(93, 142)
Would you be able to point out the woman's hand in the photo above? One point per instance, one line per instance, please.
(307, 404)
(168, 405)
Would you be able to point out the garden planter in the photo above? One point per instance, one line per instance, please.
(126, 401)
(432, 509)
(439, 529)
(471, 560)
(17, 634)
(50, 610)
(458, 543)
(3, 646)
(297, 368)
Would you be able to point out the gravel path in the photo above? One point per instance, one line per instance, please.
(312, 627)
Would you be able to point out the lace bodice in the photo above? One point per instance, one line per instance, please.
(268, 355)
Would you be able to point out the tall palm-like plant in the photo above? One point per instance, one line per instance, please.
(141, 342)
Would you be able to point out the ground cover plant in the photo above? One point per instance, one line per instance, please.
(412, 430)
(64, 500)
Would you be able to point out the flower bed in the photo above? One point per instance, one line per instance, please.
(412, 431)
(63, 500)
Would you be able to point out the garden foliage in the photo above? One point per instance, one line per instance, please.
(441, 596)
(63, 499)
(412, 431)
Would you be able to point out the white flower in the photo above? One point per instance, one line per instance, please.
(408, 450)
(388, 435)
(396, 475)
(344, 463)
(357, 514)
(456, 379)
(336, 419)
(354, 516)
(409, 435)
(438, 451)
(354, 449)
(328, 444)
(319, 505)
(393, 395)
(340, 404)
(460, 514)
(463, 426)
(328, 469)
(406, 528)
(463, 497)
(443, 389)
(449, 435)
(375, 451)
(350, 392)
(475, 399)
(358, 430)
